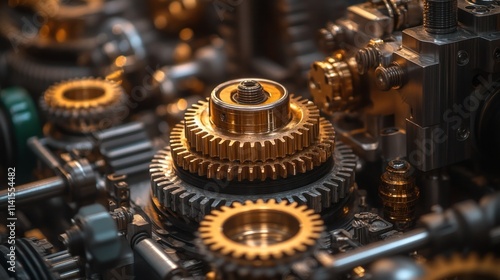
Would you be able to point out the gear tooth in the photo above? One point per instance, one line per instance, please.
(250, 255)
(203, 168)
(277, 254)
(281, 169)
(205, 206)
(212, 170)
(301, 165)
(308, 161)
(222, 147)
(232, 172)
(238, 254)
(289, 251)
(271, 149)
(290, 146)
(217, 203)
(242, 152)
(233, 150)
(281, 147)
(313, 201)
(237, 204)
(213, 147)
(297, 141)
(302, 200)
(251, 173)
(222, 172)
(291, 168)
(216, 246)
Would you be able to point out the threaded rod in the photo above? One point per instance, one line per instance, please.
(440, 16)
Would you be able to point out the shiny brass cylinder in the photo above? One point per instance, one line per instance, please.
(399, 193)
(263, 108)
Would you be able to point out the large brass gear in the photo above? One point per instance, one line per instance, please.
(84, 105)
(296, 128)
(299, 162)
(259, 238)
(457, 266)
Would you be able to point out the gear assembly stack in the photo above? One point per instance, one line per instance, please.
(251, 140)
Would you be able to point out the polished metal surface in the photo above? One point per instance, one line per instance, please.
(229, 112)
(409, 241)
(39, 190)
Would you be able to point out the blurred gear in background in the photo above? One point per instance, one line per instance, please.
(84, 105)
(238, 139)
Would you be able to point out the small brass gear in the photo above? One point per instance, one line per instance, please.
(300, 162)
(259, 238)
(457, 266)
(84, 105)
(296, 123)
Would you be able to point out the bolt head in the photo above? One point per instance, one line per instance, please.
(463, 58)
(398, 164)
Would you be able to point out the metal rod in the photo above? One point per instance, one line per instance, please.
(410, 241)
(43, 153)
(35, 191)
(161, 264)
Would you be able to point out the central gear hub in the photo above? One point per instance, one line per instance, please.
(251, 140)
(249, 107)
(252, 130)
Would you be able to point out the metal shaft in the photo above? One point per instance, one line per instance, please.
(35, 191)
(161, 265)
(411, 241)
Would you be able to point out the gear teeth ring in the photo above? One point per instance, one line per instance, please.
(300, 133)
(192, 202)
(300, 162)
(290, 234)
(84, 105)
(471, 266)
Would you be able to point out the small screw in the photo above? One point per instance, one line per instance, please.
(393, 76)
(462, 58)
(496, 55)
(398, 164)
(463, 134)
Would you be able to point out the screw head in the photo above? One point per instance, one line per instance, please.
(463, 58)
(463, 134)
(398, 164)
(496, 55)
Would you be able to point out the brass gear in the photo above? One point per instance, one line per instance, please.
(187, 183)
(259, 238)
(472, 266)
(84, 105)
(300, 162)
(300, 132)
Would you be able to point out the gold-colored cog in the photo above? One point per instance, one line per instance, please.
(260, 234)
(300, 162)
(300, 132)
(458, 266)
(80, 105)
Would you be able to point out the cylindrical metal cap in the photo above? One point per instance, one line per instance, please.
(250, 106)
